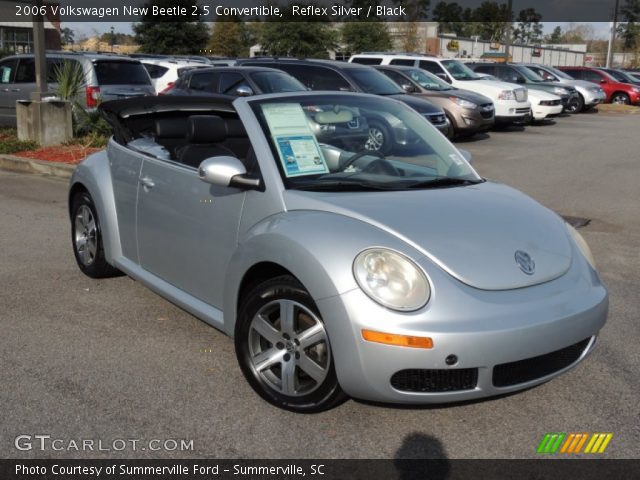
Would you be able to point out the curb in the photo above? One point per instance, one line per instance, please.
(12, 163)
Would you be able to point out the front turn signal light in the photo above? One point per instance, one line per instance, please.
(398, 340)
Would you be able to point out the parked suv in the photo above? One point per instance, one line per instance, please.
(107, 77)
(617, 92)
(332, 75)
(621, 75)
(467, 111)
(511, 102)
(508, 72)
(589, 95)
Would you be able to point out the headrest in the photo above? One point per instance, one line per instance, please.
(235, 128)
(206, 129)
(171, 128)
(342, 116)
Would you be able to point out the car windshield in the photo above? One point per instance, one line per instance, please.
(354, 142)
(620, 76)
(277, 82)
(560, 73)
(114, 72)
(459, 71)
(427, 80)
(372, 81)
(529, 74)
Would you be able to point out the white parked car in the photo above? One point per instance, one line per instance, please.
(165, 72)
(544, 105)
(511, 101)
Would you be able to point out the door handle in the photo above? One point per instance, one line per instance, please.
(147, 182)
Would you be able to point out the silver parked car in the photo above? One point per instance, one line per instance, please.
(590, 94)
(107, 77)
(401, 277)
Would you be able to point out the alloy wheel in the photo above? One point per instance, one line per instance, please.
(85, 238)
(376, 139)
(289, 348)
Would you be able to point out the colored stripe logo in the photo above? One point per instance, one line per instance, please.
(573, 443)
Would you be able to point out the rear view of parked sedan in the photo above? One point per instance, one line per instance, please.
(401, 277)
(468, 112)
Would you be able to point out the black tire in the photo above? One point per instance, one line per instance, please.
(577, 106)
(386, 138)
(90, 260)
(322, 395)
(620, 99)
(451, 132)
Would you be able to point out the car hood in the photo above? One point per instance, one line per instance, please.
(535, 94)
(483, 86)
(578, 83)
(471, 232)
(418, 104)
(457, 92)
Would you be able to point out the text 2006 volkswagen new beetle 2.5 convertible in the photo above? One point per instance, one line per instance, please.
(339, 271)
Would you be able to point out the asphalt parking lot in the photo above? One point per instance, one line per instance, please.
(109, 359)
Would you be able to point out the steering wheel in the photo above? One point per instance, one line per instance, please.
(359, 155)
(381, 165)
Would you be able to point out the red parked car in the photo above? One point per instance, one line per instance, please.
(617, 92)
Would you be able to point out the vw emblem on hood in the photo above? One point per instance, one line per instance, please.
(525, 262)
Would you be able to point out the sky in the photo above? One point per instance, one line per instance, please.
(89, 29)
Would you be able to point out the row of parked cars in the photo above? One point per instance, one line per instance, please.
(459, 99)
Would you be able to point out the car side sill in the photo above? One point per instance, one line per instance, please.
(198, 308)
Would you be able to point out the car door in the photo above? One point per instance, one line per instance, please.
(7, 100)
(435, 68)
(23, 84)
(187, 229)
(203, 82)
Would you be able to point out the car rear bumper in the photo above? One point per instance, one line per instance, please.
(512, 345)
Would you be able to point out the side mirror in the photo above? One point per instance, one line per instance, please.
(226, 172)
(443, 76)
(407, 87)
(603, 80)
(466, 155)
(244, 91)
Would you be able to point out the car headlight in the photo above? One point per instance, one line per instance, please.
(391, 279)
(507, 95)
(560, 91)
(595, 89)
(463, 103)
(635, 89)
(582, 245)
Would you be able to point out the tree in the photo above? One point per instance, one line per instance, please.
(416, 11)
(297, 39)
(155, 34)
(449, 17)
(578, 33)
(66, 36)
(529, 28)
(491, 21)
(371, 36)
(629, 32)
(555, 37)
(229, 38)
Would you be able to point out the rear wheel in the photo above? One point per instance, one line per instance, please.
(620, 99)
(283, 348)
(86, 237)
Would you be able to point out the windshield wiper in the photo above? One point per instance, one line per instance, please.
(444, 182)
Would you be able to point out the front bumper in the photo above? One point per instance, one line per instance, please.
(467, 120)
(540, 112)
(482, 329)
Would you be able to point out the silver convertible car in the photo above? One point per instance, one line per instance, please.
(402, 277)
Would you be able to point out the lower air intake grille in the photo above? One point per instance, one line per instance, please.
(419, 380)
(523, 371)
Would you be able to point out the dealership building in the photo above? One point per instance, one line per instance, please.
(17, 37)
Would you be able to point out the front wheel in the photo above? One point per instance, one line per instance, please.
(86, 237)
(283, 348)
(621, 99)
(576, 105)
(379, 138)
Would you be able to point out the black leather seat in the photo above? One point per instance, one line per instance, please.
(171, 133)
(205, 134)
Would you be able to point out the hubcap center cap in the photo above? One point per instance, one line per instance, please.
(290, 346)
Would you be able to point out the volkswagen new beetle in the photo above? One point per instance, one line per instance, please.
(401, 277)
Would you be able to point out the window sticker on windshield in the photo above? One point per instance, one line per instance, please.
(297, 146)
(300, 155)
(6, 74)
